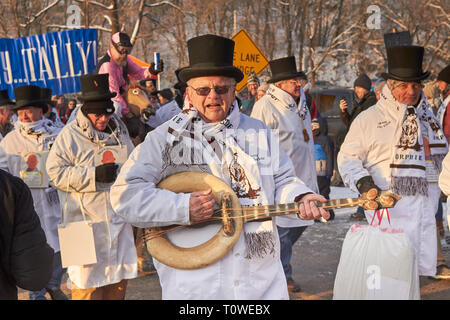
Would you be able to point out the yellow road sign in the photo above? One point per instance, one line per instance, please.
(247, 57)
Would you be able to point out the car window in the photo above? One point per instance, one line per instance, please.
(328, 102)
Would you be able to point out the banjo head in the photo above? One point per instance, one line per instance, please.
(210, 251)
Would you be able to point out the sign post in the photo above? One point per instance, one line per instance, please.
(247, 57)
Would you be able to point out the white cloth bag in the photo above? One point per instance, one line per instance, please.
(376, 264)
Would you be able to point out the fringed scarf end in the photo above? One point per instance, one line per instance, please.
(409, 186)
(259, 244)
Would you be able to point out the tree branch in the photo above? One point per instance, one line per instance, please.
(37, 15)
(110, 7)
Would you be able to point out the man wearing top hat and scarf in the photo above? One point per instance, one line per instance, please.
(212, 136)
(284, 109)
(5, 113)
(118, 65)
(83, 164)
(33, 136)
(398, 144)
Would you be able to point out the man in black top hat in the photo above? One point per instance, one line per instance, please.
(398, 144)
(284, 108)
(118, 65)
(216, 132)
(5, 113)
(34, 135)
(83, 163)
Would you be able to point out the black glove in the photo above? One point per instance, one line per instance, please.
(106, 173)
(160, 67)
(366, 184)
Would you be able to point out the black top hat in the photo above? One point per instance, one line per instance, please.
(283, 69)
(4, 98)
(444, 75)
(95, 87)
(210, 55)
(29, 95)
(405, 64)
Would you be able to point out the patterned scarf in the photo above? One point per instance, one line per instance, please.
(416, 125)
(228, 162)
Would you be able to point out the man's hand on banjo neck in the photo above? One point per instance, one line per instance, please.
(201, 206)
(308, 209)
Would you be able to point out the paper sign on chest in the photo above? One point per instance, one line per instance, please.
(32, 169)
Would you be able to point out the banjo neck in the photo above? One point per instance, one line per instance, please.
(252, 213)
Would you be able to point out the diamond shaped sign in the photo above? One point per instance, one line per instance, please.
(247, 57)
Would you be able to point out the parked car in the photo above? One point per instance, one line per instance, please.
(327, 101)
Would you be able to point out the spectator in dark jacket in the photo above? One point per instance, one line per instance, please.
(363, 98)
(25, 257)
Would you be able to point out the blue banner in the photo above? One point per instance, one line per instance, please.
(52, 60)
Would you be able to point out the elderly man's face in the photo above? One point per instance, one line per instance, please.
(214, 106)
(30, 114)
(408, 93)
(291, 86)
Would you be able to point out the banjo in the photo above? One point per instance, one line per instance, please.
(232, 216)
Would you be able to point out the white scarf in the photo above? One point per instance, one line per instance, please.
(281, 97)
(43, 131)
(230, 163)
(408, 174)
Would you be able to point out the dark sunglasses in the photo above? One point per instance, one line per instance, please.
(123, 51)
(204, 91)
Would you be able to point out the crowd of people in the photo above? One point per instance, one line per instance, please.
(99, 159)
